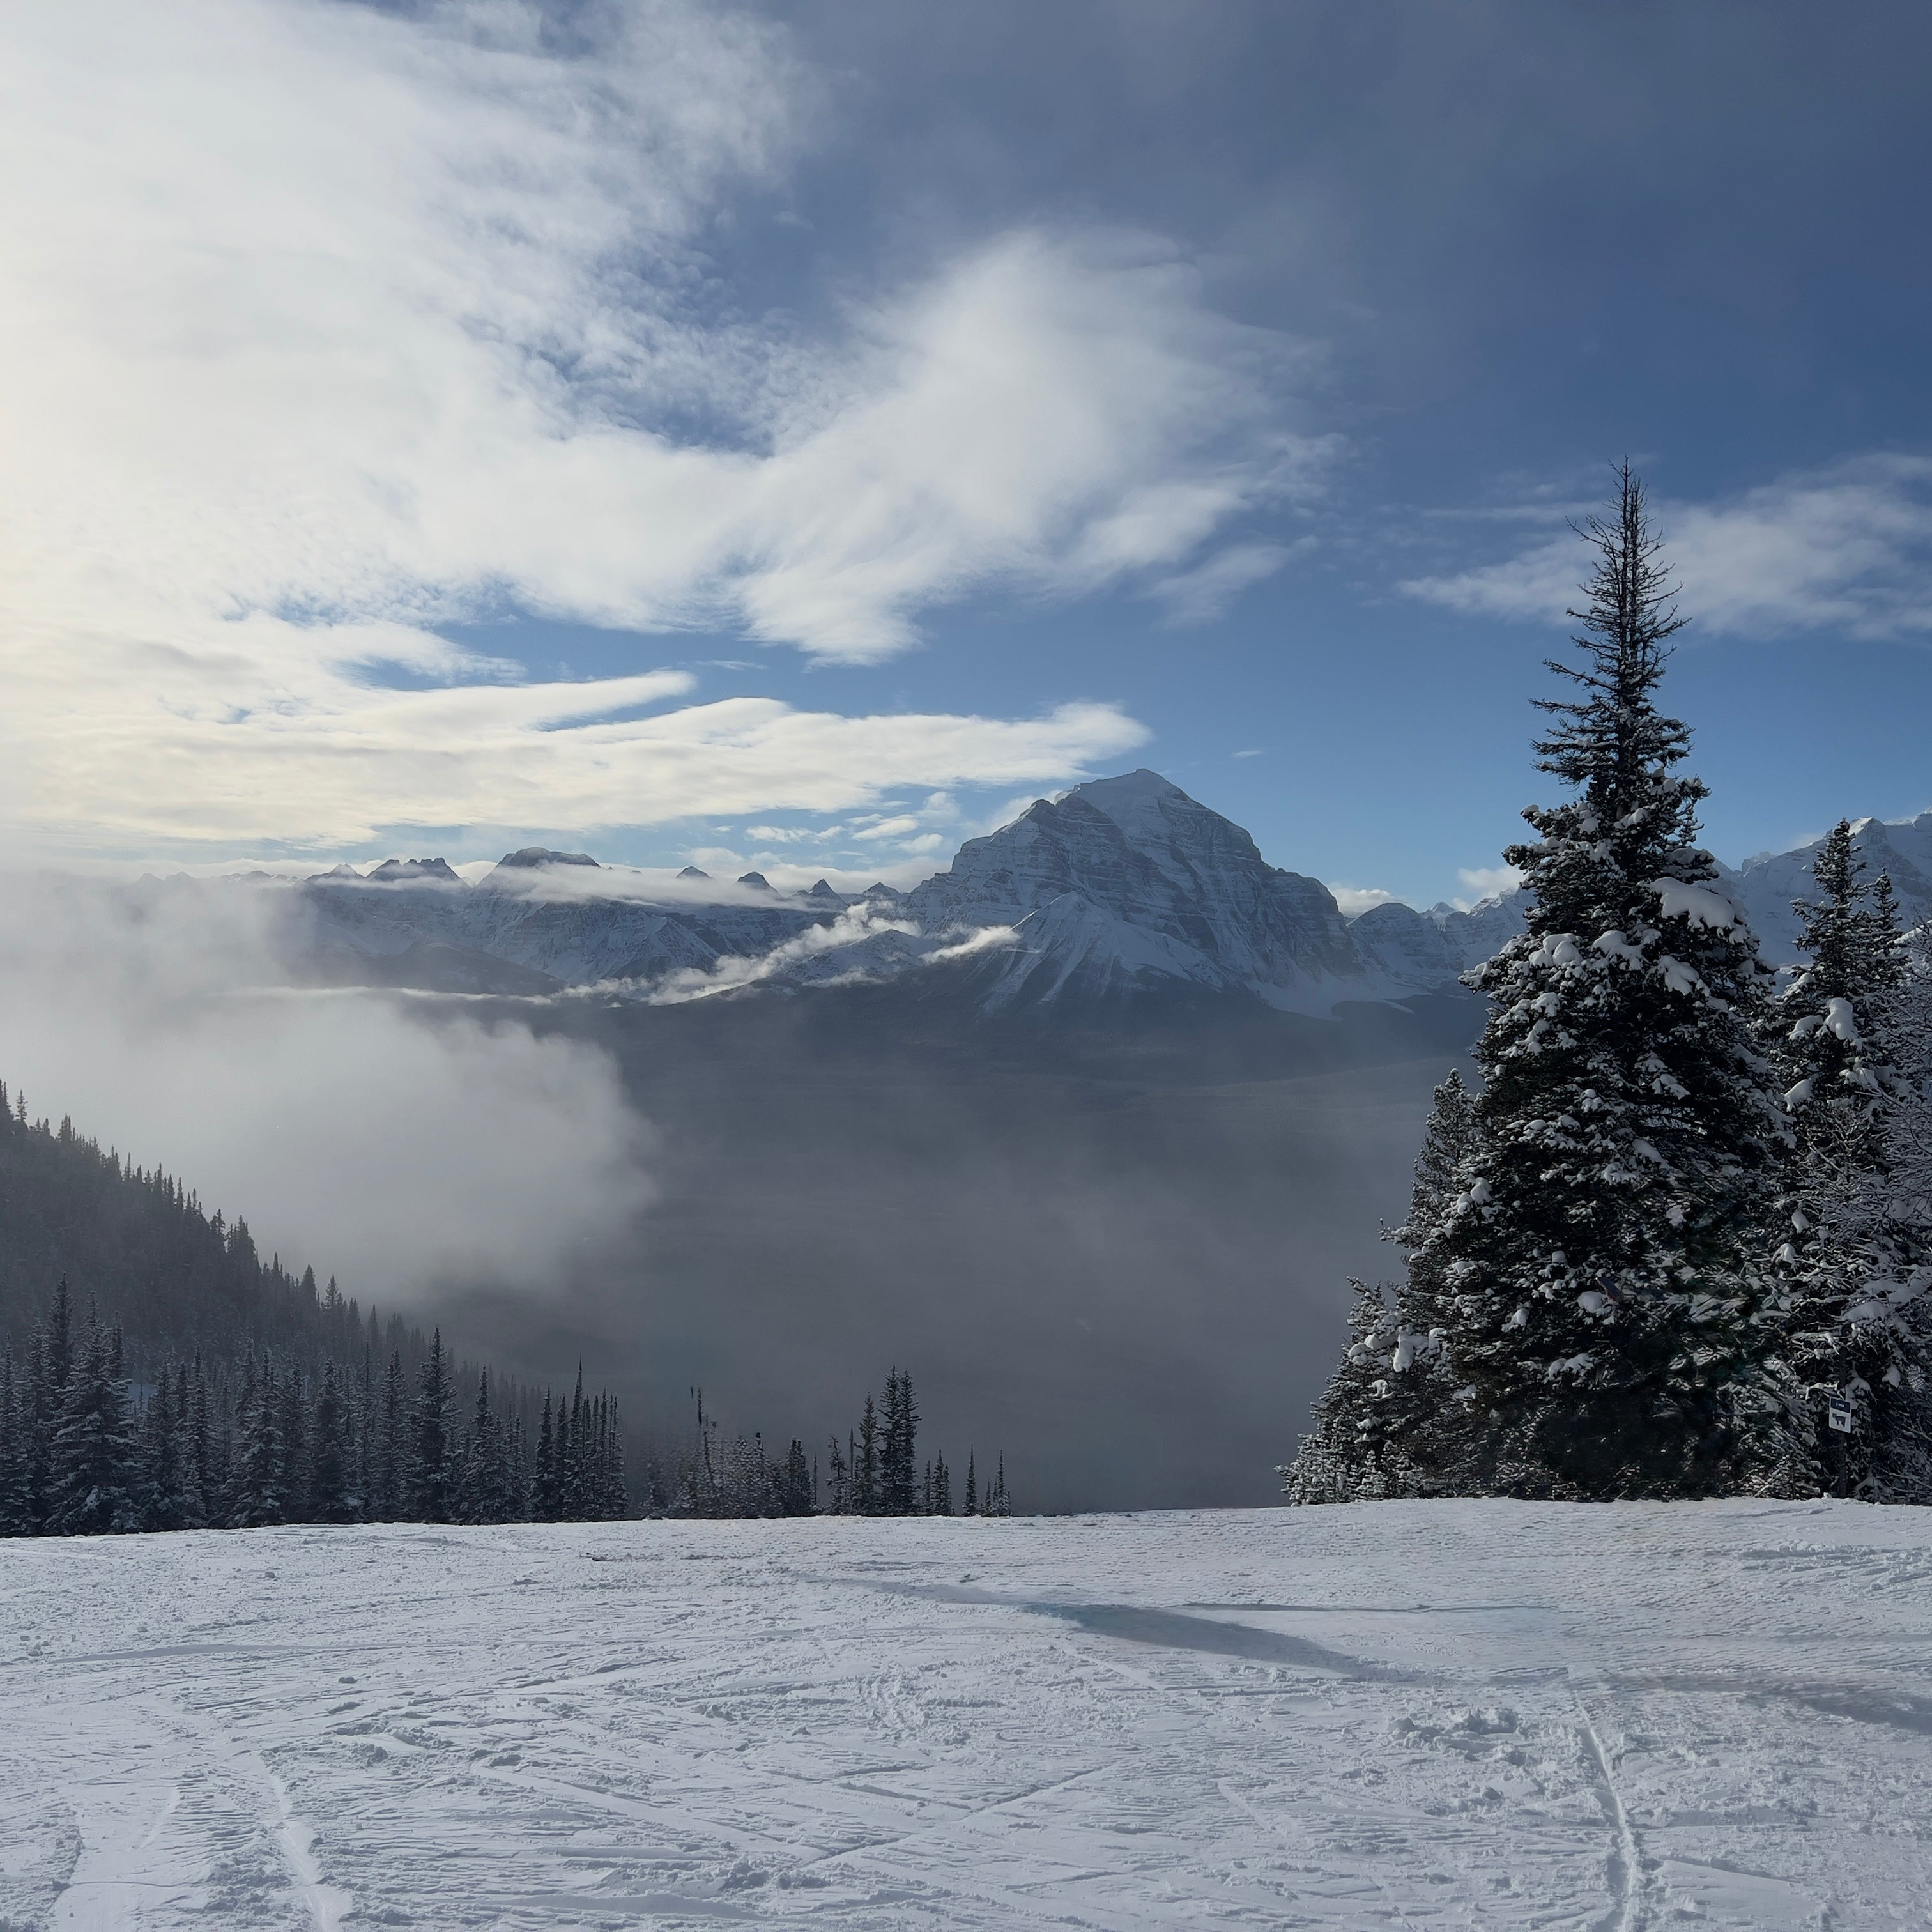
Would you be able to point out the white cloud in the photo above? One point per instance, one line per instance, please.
(362, 1132)
(1847, 548)
(1484, 882)
(1354, 901)
(327, 323)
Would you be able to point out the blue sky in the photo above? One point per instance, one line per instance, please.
(953, 402)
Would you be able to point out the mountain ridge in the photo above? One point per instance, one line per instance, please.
(1088, 901)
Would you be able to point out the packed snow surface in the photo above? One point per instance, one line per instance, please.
(1391, 1715)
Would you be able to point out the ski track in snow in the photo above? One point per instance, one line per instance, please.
(1609, 1719)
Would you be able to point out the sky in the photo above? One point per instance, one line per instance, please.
(793, 436)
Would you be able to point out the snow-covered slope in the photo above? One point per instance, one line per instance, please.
(1426, 1715)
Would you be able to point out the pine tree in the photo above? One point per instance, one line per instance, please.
(157, 1461)
(478, 1485)
(91, 1461)
(1390, 1423)
(16, 1509)
(797, 1498)
(543, 1487)
(898, 1462)
(192, 1455)
(291, 1425)
(331, 1495)
(431, 1470)
(865, 1497)
(1341, 1459)
(256, 1496)
(837, 1480)
(1849, 1042)
(1608, 1305)
(393, 1456)
(972, 1485)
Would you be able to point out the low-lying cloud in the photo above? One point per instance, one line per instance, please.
(403, 1144)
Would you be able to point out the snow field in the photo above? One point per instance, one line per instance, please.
(1402, 1714)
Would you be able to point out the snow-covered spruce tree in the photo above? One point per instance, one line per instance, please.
(1608, 1294)
(1390, 1423)
(1341, 1458)
(92, 1458)
(1850, 1039)
(1431, 1446)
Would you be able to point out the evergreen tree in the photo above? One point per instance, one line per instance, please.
(393, 1457)
(255, 1495)
(157, 1460)
(1607, 1307)
(92, 1457)
(865, 1497)
(898, 1462)
(480, 1487)
(941, 1503)
(543, 1488)
(431, 1461)
(972, 1486)
(291, 1426)
(798, 1498)
(1341, 1459)
(837, 1480)
(16, 1498)
(1390, 1423)
(193, 1453)
(1849, 1042)
(331, 1496)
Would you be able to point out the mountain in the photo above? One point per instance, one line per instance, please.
(1122, 890)
(1765, 885)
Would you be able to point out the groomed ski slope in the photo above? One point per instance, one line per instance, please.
(1395, 1715)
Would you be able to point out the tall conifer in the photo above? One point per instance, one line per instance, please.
(1606, 1308)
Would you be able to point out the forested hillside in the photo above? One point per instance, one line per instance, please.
(176, 1280)
(157, 1374)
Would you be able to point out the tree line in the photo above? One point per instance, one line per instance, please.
(1679, 1242)
(82, 1452)
(877, 1472)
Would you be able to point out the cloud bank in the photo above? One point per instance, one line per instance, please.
(383, 1138)
(329, 326)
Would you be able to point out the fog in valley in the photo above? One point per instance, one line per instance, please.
(1118, 1256)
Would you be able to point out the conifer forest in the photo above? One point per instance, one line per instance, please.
(197, 1386)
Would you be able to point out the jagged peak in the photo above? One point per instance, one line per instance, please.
(412, 871)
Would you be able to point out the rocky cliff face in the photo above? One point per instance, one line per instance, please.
(1155, 885)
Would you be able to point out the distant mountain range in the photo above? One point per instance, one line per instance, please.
(1120, 890)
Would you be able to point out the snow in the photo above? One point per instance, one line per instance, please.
(1428, 1715)
(1703, 906)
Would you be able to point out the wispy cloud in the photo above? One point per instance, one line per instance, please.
(1200, 594)
(1846, 548)
(331, 324)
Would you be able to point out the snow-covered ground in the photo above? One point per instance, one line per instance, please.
(1401, 1714)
